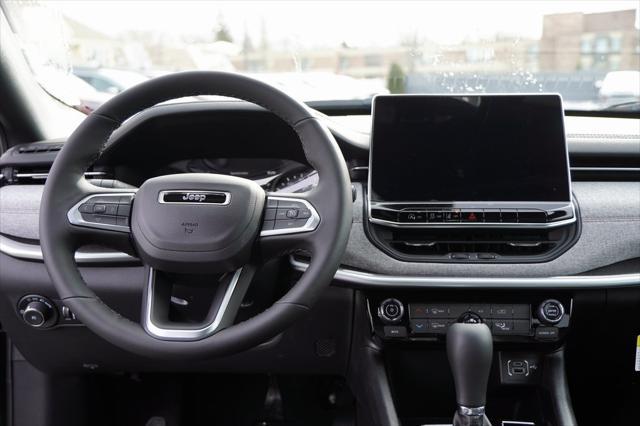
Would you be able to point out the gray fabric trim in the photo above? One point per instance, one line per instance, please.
(19, 210)
(610, 234)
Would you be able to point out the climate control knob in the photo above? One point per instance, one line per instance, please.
(37, 311)
(550, 312)
(391, 311)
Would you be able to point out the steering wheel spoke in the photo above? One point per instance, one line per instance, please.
(289, 222)
(157, 320)
(103, 218)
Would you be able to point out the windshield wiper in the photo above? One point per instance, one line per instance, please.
(630, 106)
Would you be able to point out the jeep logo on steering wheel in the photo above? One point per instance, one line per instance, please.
(194, 197)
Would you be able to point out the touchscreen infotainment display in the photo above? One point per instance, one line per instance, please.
(490, 148)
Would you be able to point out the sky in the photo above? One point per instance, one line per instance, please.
(322, 23)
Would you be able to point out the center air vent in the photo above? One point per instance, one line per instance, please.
(477, 245)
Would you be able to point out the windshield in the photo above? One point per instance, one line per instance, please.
(588, 51)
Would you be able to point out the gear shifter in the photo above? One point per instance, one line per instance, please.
(470, 351)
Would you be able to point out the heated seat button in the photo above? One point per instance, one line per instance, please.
(419, 326)
(417, 310)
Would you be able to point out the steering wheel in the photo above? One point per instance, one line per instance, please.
(194, 224)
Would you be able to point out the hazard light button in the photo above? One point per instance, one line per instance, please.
(472, 216)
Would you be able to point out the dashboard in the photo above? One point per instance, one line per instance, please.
(525, 265)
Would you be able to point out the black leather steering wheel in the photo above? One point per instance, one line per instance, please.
(190, 223)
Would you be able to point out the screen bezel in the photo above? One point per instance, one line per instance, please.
(462, 203)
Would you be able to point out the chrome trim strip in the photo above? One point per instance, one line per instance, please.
(310, 224)
(373, 280)
(43, 176)
(573, 169)
(472, 224)
(25, 251)
(75, 217)
(471, 411)
(227, 197)
(605, 169)
(185, 334)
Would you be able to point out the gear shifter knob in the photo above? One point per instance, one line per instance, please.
(470, 351)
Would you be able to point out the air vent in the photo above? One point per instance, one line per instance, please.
(27, 175)
(472, 245)
(39, 148)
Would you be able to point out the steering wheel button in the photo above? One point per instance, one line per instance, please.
(99, 208)
(271, 203)
(281, 214)
(270, 214)
(304, 213)
(107, 220)
(86, 208)
(122, 221)
(124, 210)
(267, 225)
(289, 204)
(292, 213)
(111, 209)
(290, 223)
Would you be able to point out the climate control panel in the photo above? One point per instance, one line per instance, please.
(537, 320)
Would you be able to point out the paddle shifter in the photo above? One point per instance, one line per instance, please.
(470, 350)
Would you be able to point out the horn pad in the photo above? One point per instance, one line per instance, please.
(196, 222)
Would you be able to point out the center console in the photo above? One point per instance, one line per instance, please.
(470, 179)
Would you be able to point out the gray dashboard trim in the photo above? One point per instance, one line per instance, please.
(369, 280)
(27, 251)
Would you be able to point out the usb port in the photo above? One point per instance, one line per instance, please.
(518, 367)
(517, 371)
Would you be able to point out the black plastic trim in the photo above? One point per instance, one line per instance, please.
(573, 232)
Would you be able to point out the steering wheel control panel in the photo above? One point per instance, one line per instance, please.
(545, 320)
